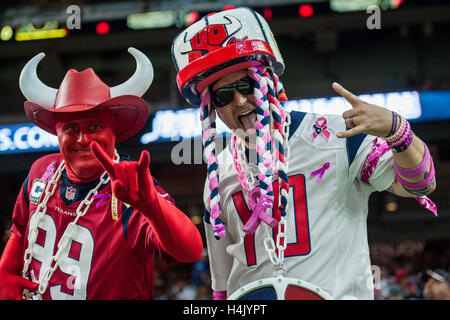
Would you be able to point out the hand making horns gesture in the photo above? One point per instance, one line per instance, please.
(131, 181)
(363, 117)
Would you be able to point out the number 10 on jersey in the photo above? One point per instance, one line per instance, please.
(297, 220)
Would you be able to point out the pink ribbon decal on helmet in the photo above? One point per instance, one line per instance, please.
(320, 171)
(321, 128)
(259, 211)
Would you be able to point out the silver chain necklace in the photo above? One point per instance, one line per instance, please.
(68, 234)
(281, 242)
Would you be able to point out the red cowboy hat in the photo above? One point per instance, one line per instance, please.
(83, 92)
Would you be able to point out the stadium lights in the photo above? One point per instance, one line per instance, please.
(396, 3)
(192, 17)
(305, 11)
(48, 31)
(197, 219)
(156, 19)
(391, 204)
(362, 5)
(39, 35)
(102, 28)
(267, 13)
(6, 33)
(228, 7)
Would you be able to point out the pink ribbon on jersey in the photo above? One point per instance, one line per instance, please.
(49, 172)
(259, 211)
(320, 171)
(321, 128)
(103, 197)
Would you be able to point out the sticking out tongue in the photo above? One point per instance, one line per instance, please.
(248, 121)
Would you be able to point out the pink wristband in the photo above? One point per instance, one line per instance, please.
(417, 171)
(404, 141)
(417, 185)
(402, 138)
(220, 295)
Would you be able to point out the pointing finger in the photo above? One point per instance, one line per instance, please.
(350, 97)
(103, 158)
(144, 161)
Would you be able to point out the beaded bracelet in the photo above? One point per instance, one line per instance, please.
(399, 131)
(402, 138)
(394, 124)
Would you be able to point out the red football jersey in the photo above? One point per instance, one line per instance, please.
(112, 252)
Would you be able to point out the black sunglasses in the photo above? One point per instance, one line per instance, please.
(223, 96)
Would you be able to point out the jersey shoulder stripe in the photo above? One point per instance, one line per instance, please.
(296, 120)
(353, 143)
(25, 188)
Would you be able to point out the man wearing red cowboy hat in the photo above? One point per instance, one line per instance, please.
(87, 221)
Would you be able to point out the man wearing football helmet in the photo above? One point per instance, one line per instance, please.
(292, 223)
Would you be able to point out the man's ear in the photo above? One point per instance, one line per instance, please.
(58, 126)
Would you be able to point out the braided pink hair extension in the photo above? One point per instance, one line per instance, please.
(276, 97)
(263, 140)
(208, 119)
(241, 176)
(279, 118)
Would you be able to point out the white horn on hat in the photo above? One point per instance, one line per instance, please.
(34, 89)
(140, 81)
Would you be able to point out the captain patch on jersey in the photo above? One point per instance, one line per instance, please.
(36, 191)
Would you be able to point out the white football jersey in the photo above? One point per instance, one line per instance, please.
(326, 220)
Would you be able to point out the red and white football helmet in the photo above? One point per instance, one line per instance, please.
(221, 43)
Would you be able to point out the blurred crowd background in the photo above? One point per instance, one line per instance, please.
(405, 55)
